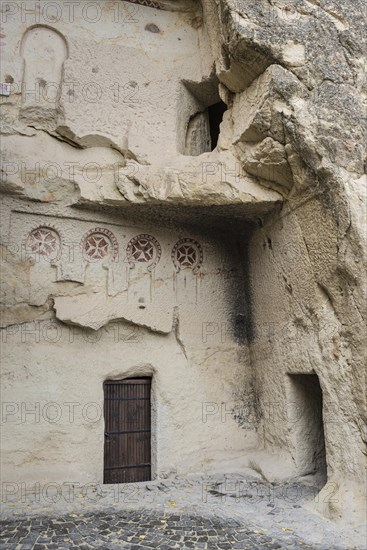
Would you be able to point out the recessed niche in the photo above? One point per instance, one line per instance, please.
(305, 421)
(199, 118)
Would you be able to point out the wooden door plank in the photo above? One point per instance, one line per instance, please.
(127, 452)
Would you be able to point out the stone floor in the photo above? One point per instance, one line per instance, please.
(139, 529)
(192, 513)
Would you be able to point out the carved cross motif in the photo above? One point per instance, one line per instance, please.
(44, 241)
(99, 243)
(187, 254)
(144, 249)
(96, 247)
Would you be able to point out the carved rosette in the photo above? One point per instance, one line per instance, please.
(187, 254)
(144, 249)
(99, 243)
(44, 241)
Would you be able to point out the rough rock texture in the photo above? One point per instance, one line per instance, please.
(310, 258)
(274, 216)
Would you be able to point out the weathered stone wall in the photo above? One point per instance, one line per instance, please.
(274, 216)
(307, 262)
(133, 300)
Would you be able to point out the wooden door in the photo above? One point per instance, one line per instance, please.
(127, 416)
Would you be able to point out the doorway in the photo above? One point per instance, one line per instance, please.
(306, 424)
(127, 438)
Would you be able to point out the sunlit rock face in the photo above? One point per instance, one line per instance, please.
(184, 198)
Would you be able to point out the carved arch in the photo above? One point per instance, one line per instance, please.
(44, 51)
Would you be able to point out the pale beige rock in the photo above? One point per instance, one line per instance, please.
(268, 160)
(133, 249)
(95, 311)
(217, 176)
(294, 54)
(198, 135)
(259, 111)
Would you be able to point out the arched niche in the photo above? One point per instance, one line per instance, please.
(143, 254)
(44, 51)
(187, 257)
(100, 248)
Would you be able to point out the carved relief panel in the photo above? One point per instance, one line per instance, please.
(140, 268)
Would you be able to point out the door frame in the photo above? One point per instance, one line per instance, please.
(148, 373)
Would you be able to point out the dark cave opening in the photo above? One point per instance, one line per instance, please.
(215, 113)
(307, 425)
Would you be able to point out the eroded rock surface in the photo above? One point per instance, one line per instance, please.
(241, 267)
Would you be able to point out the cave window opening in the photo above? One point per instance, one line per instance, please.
(215, 113)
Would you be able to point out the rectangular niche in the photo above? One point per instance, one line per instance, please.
(305, 421)
(199, 117)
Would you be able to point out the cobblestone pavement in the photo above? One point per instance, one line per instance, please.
(192, 513)
(138, 530)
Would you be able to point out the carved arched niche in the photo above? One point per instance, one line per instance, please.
(43, 245)
(100, 257)
(44, 51)
(143, 254)
(187, 257)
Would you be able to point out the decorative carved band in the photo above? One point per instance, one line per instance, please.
(99, 243)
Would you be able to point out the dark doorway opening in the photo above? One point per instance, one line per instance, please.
(304, 414)
(127, 441)
(216, 113)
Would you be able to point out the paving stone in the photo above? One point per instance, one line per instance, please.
(141, 530)
(204, 525)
